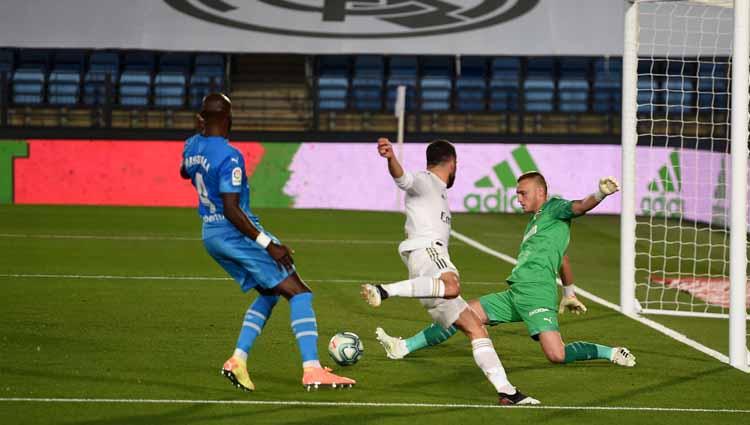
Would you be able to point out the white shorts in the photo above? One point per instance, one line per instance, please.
(433, 262)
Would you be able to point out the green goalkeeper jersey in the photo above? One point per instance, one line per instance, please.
(544, 242)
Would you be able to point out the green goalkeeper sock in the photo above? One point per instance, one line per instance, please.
(429, 336)
(580, 351)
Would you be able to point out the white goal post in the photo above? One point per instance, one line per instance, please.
(685, 120)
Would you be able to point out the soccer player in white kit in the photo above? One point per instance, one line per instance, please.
(433, 279)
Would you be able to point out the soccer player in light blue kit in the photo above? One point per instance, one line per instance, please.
(234, 237)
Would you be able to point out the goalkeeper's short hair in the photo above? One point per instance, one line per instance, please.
(536, 176)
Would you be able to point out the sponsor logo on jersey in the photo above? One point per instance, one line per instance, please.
(664, 199)
(538, 310)
(236, 176)
(361, 19)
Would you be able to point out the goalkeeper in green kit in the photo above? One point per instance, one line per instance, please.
(532, 297)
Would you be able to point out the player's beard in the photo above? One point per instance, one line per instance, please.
(451, 179)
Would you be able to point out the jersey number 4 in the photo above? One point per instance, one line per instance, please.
(200, 186)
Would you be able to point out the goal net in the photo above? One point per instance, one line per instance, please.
(678, 177)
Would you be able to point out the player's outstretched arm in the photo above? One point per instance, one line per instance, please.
(232, 211)
(385, 149)
(607, 186)
(569, 301)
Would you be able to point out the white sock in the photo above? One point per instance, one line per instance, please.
(240, 354)
(486, 358)
(311, 363)
(419, 287)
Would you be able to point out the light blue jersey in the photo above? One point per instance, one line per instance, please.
(216, 167)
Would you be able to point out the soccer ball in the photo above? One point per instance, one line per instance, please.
(345, 348)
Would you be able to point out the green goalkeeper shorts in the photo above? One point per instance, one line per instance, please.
(537, 309)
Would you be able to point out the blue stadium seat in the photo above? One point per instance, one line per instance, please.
(135, 88)
(471, 85)
(607, 90)
(539, 94)
(209, 64)
(95, 87)
(332, 92)
(650, 96)
(64, 87)
(367, 83)
(69, 61)
(175, 62)
(139, 61)
(505, 84)
(203, 84)
(679, 96)
(7, 61)
(28, 86)
(34, 59)
(402, 70)
(712, 86)
(105, 62)
(170, 89)
(573, 85)
(436, 83)
(333, 82)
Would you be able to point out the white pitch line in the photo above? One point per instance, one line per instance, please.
(363, 404)
(177, 277)
(183, 238)
(601, 301)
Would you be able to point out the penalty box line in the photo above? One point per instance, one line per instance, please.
(363, 404)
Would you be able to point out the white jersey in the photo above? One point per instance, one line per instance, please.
(428, 217)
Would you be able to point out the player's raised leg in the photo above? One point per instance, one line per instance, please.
(305, 329)
(447, 285)
(235, 368)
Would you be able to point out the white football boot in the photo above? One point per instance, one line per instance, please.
(395, 348)
(623, 357)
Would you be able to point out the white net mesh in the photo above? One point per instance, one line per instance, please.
(682, 161)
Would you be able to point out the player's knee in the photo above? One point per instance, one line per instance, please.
(452, 285)
(555, 356)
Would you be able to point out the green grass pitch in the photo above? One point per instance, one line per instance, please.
(67, 332)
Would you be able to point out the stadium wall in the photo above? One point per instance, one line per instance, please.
(351, 175)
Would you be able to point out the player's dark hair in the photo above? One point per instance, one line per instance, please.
(536, 176)
(440, 151)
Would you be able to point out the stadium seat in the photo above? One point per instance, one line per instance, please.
(139, 61)
(135, 88)
(95, 90)
(69, 61)
(34, 59)
(607, 88)
(505, 84)
(7, 61)
(64, 87)
(402, 70)
(105, 62)
(436, 83)
(471, 85)
(712, 86)
(573, 85)
(169, 89)
(175, 62)
(28, 86)
(539, 86)
(650, 95)
(208, 76)
(679, 95)
(367, 83)
(333, 82)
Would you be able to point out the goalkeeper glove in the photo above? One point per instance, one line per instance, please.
(607, 186)
(570, 302)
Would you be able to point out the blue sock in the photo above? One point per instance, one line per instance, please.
(304, 326)
(255, 318)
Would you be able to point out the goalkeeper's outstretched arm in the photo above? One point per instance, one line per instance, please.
(607, 186)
